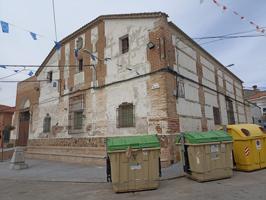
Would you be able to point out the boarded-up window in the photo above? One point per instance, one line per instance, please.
(180, 88)
(47, 124)
(216, 115)
(230, 111)
(124, 43)
(76, 107)
(162, 48)
(125, 115)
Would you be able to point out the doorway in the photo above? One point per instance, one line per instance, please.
(24, 122)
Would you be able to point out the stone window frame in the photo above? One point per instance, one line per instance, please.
(47, 123)
(125, 116)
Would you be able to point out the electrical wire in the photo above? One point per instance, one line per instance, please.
(1, 78)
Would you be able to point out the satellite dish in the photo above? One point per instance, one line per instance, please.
(79, 43)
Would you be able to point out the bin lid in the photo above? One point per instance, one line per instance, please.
(134, 142)
(239, 131)
(206, 137)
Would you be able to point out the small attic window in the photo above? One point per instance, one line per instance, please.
(50, 76)
(124, 43)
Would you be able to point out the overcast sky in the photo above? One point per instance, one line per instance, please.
(194, 18)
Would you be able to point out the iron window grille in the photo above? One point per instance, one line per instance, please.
(47, 124)
(126, 115)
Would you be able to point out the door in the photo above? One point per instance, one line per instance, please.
(23, 134)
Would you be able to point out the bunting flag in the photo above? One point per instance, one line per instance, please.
(30, 73)
(224, 8)
(57, 45)
(5, 27)
(33, 35)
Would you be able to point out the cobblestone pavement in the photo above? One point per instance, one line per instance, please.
(242, 186)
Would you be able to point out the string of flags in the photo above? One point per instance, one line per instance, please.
(30, 72)
(225, 8)
(5, 27)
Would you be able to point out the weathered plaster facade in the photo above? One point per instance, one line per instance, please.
(173, 85)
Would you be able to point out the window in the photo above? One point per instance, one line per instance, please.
(180, 87)
(162, 48)
(80, 62)
(264, 110)
(50, 76)
(124, 43)
(78, 119)
(230, 111)
(216, 115)
(47, 124)
(76, 107)
(125, 115)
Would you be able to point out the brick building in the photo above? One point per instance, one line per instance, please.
(6, 114)
(128, 74)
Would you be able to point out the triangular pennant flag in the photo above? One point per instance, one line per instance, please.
(5, 27)
(3, 66)
(33, 35)
(93, 57)
(57, 45)
(30, 73)
(16, 70)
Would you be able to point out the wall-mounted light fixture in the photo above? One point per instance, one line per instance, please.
(150, 45)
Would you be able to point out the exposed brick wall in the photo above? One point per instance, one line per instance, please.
(201, 94)
(100, 45)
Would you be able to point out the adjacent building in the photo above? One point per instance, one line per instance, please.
(125, 74)
(6, 114)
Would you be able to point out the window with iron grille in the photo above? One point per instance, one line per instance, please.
(230, 111)
(124, 43)
(47, 124)
(76, 107)
(125, 115)
(78, 119)
(216, 115)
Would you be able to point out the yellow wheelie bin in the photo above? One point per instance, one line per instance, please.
(249, 146)
(133, 163)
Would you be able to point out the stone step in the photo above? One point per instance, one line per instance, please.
(81, 155)
(99, 151)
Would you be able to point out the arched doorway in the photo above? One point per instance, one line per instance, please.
(24, 122)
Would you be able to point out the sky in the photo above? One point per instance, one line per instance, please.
(197, 18)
